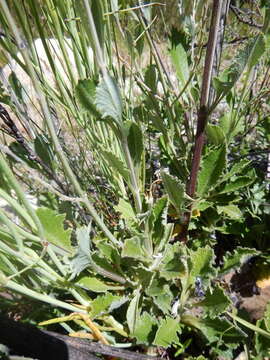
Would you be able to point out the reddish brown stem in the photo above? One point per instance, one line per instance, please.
(202, 116)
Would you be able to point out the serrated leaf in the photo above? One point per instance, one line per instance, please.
(133, 248)
(212, 166)
(171, 266)
(125, 209)
(145, 327)
(237, 168)
(102, 303)
(109, 252)
(236, 259)
(232, 211)
(82, 258)
(158, 219)
(215, 135)
(167, 333)
(231, 125)
(116, 164)
(214, 303)
(53, 224)
(239, 183)
(216, 329)
(108, 99)
(95, 285)
(175, 190)
(85, 92)
(164, 300)
(133, 311)
(201, 262)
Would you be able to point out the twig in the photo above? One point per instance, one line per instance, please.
(250, 22)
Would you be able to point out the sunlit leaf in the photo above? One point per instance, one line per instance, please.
(133, 311)
(212, 167)
(167, 333)
(108, 99)
(53, 224)
(175, 190)
(145, 328)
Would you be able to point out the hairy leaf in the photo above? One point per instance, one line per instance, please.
(232, 211)
(133, 248)
(201, 262)
(145, 327)
(236, 259)
(82, 258)
(116, 164)
(167, 333)
(102, 303)
(175, 190)
(53, 224)
(85, 92)
(215, 135)
(212, 166)
(133, 311)
(108, 99)
(96, 285)
(239, 183)
(214, 303)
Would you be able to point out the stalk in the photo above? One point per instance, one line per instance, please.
(202, 116)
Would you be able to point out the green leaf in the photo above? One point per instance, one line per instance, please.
(212, 166)
(236, 259)
(239, 183)
(108, 99)
(145, 327)
(237, 168)
(133, 248)
(150, 78)
(101, 304)
(125, 210)
(249, 55)
(217, 329)
(214, 303)
(116, 164)
(44, 150)
(215, 135)
(164, 300)
(133, 311)
(158, 219)
(232, 211)
(82, 258)
(175, 190)
(85, 92)
(109, 251)
(135, 142)
(171, 266)
(201, 262)
(167, 333)
(257, 51)
(180, 62)
(95, 285)
(53, 224)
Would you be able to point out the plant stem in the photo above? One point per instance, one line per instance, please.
(202, 111)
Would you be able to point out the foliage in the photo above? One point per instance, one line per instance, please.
(106, 153)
